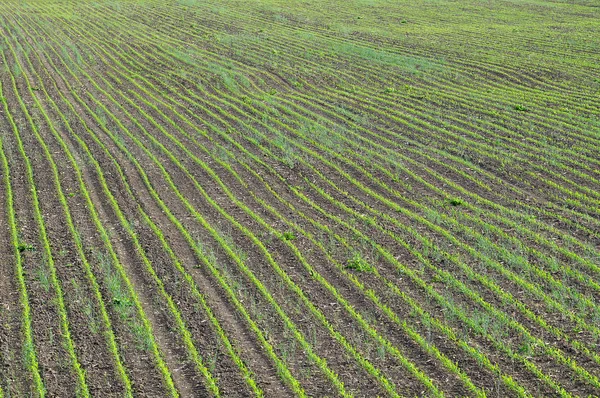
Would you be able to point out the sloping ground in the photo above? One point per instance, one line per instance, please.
(316, 198)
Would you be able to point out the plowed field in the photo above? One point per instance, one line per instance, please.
(299, 198)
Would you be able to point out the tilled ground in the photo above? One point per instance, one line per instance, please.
(237, 199)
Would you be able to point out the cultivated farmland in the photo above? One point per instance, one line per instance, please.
(299, 198)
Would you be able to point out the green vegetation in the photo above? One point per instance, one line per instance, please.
(359, 264)
(267, 198)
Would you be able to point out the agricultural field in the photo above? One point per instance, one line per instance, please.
(324, 198)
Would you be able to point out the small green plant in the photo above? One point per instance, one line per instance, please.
(521, 108)
(527, 349)
(25, 247)
(43, 278)
(456, 202)
(289, 235)
(122, 302)
(16, 70)
(359, 264)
